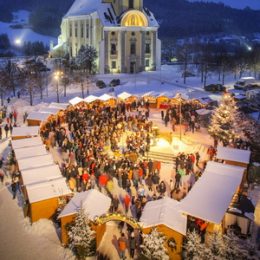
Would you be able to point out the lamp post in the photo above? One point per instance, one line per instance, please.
(179, 98)
(57, 75)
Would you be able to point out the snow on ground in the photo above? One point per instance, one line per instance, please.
(24, 34)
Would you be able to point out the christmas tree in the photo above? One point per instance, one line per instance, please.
(153, 246)
(224, 124)
(81, 236)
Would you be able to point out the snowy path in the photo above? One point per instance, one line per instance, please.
(20, 240)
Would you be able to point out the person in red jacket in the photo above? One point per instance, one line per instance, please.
(127, 200)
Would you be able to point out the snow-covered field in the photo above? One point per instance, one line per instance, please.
(19, 36)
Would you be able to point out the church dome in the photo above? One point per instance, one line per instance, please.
(134, 18)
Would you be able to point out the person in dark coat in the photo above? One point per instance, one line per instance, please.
(14, 188)
(132, 244)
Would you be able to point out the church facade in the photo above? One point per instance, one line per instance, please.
(124, 33)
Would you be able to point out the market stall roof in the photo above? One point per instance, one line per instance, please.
(47, 190)
(41, 174)
(232, 154)
(166, 212)
(125, 95)
(91, 99)
(27, 142)
(148, 94)
(61, 106)
(39, 116)
(27, 131)
(106, 97)
(76, 100)
(92, 201)
(211, 195)
(203, 112)
(50, 110)
(36, 162)
(31, 152)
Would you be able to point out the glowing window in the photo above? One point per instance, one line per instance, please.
(134, 18)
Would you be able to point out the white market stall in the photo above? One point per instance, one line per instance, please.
(75, 101)
(41, 174)
(91, 99)
(61, 106)
(108, 100)
(165, 215)
(30, 152)
(36, 162)
(25, 132)
(44, 198)
(93, 202)
(36, 118)
(212, 194)
(27, 142)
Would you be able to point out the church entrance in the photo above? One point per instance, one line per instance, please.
(132, 67)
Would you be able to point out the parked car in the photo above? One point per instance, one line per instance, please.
(215, 88)
(100, 84)
(114, 82)
(243, 82)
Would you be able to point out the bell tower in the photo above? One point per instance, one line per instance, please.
(121, 6)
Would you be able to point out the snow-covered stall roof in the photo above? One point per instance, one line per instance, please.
(27, 131)
(27, 142)
(30, 152)
(232, 154)
(91, 99)
(211, 195)
(166, 212)
(36, 162)
(76, 100)
(106, 97)
(39, 116)
(42, 174)
(148, 94)
(47, 190)
(125, 95)
(61, 106)
(50, 110)
(92, 201)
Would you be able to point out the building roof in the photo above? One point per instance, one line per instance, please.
(211, 195)
(91, 99)
(36, 162)
(26, 142)
(47, 190)
(31, 152)
(232, 154)
(41, 174)
(92, 201)
(166, 212)
(27, 131)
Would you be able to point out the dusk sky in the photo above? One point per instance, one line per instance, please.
(254, 4)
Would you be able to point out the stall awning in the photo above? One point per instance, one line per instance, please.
(31, 152)
(47, 190)
(61, 106)
(124, 95)
(211, 195)
(50, 110)
(232, 154)
(39, 116)
(92, 201)
(164, 212)
(106, 97)
(27, 131)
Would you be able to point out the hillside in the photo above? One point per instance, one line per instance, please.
(178, 18)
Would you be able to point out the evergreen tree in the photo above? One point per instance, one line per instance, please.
(153, 246)
(82, 237)
(224, 121)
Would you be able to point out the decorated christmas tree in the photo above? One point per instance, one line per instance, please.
(82, 237)
(224, 124)
(153, 246)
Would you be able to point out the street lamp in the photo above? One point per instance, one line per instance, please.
(57, 75)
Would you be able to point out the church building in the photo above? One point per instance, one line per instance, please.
(124, 33)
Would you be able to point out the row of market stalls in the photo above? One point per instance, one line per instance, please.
(211, 200)
(42, 183)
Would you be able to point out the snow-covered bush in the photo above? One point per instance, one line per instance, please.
(153, 246)
(81, 236)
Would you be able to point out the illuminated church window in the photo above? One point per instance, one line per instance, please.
(134, 18)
